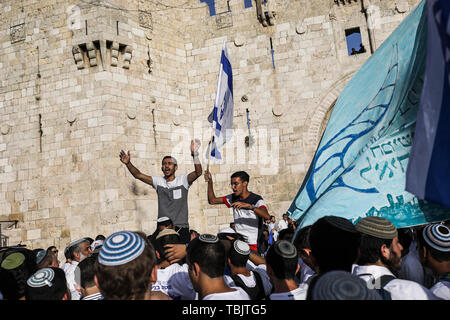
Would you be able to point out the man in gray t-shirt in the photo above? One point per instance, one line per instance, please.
(172, 191)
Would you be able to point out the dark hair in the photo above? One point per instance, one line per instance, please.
(100, 237)
(283, 268)
(209, 256)
(13, 282)
(370, 249)
(405, 237)
(439, 256)
(54, 292)
(237, 259)
(130, 280)
(333, 247)
(87, 272)
(301, 240)
(51, 248)
(170, 157)
(286, 234)
(242, 175)
(164, 223)
(162, 241)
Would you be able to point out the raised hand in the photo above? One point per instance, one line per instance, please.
(124, 157)
(207, 175)
(195, 144)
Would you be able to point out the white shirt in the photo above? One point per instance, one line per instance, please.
(174, 281)
(411, 268)
(282, 225)
(441, 290)
(70, 278)
(239, 294)
(306, 272)
(297, 294)
(398, 288)
(250, 281)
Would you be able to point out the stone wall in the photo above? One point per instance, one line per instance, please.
(82, 80)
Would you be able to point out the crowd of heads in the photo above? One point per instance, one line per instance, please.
(123, 266)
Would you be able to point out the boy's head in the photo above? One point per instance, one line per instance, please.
(167, 236)
(239, 254)
(48, 284)
(434, 245)
(282, 260)
(379, 243)
(125, 266)
(334, 244)
(205, 257)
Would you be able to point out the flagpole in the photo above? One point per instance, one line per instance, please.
(219, 82)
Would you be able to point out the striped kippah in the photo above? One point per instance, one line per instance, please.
(241, 247)
(40, 256)
(120, 248)
(437, 236)
(377, 227)
(208, 238)
(43, 277)
(285, 249)
(341, 285)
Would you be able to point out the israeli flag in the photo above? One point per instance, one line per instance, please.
(222, 115)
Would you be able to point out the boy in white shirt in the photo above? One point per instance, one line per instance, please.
(206, 260)
(434, 252)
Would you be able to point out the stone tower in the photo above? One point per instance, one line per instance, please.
(82, 80)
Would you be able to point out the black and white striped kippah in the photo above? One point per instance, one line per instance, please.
(208, 238)
(43, 277)
(437, 236)
(241, 247)
(341, 285)
(120, 248)
(285, 249)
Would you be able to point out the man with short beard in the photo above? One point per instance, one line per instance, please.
(380, 258)
(79, 250)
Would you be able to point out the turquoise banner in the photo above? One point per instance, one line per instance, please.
(359, 167)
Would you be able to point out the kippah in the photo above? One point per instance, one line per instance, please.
(437, 236)
(162, 219)
(241, 247)
(120, 248)
(208, 238)
(341, 285)
(40, 256)
(41, 278)
(285, 249)
(377, 227)
(77, 241)
(226, 230)
(13, 261)
(166, 232)
(340, 223)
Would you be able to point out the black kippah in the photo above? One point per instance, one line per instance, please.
(285, 249)
(341, 223)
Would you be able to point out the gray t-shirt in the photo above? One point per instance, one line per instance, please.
(173, 199)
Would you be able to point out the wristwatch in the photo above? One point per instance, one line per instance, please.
(253, 207)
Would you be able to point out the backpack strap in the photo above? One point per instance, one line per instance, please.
(256, 292)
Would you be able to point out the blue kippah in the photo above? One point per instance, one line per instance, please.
(120, 248)
(437, 236)
(342, 285)
(42, 277)
(40, 256)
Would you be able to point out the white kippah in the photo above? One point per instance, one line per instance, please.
(42, 277)
(241, 247)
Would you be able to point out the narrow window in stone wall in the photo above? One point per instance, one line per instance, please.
(354, 42)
